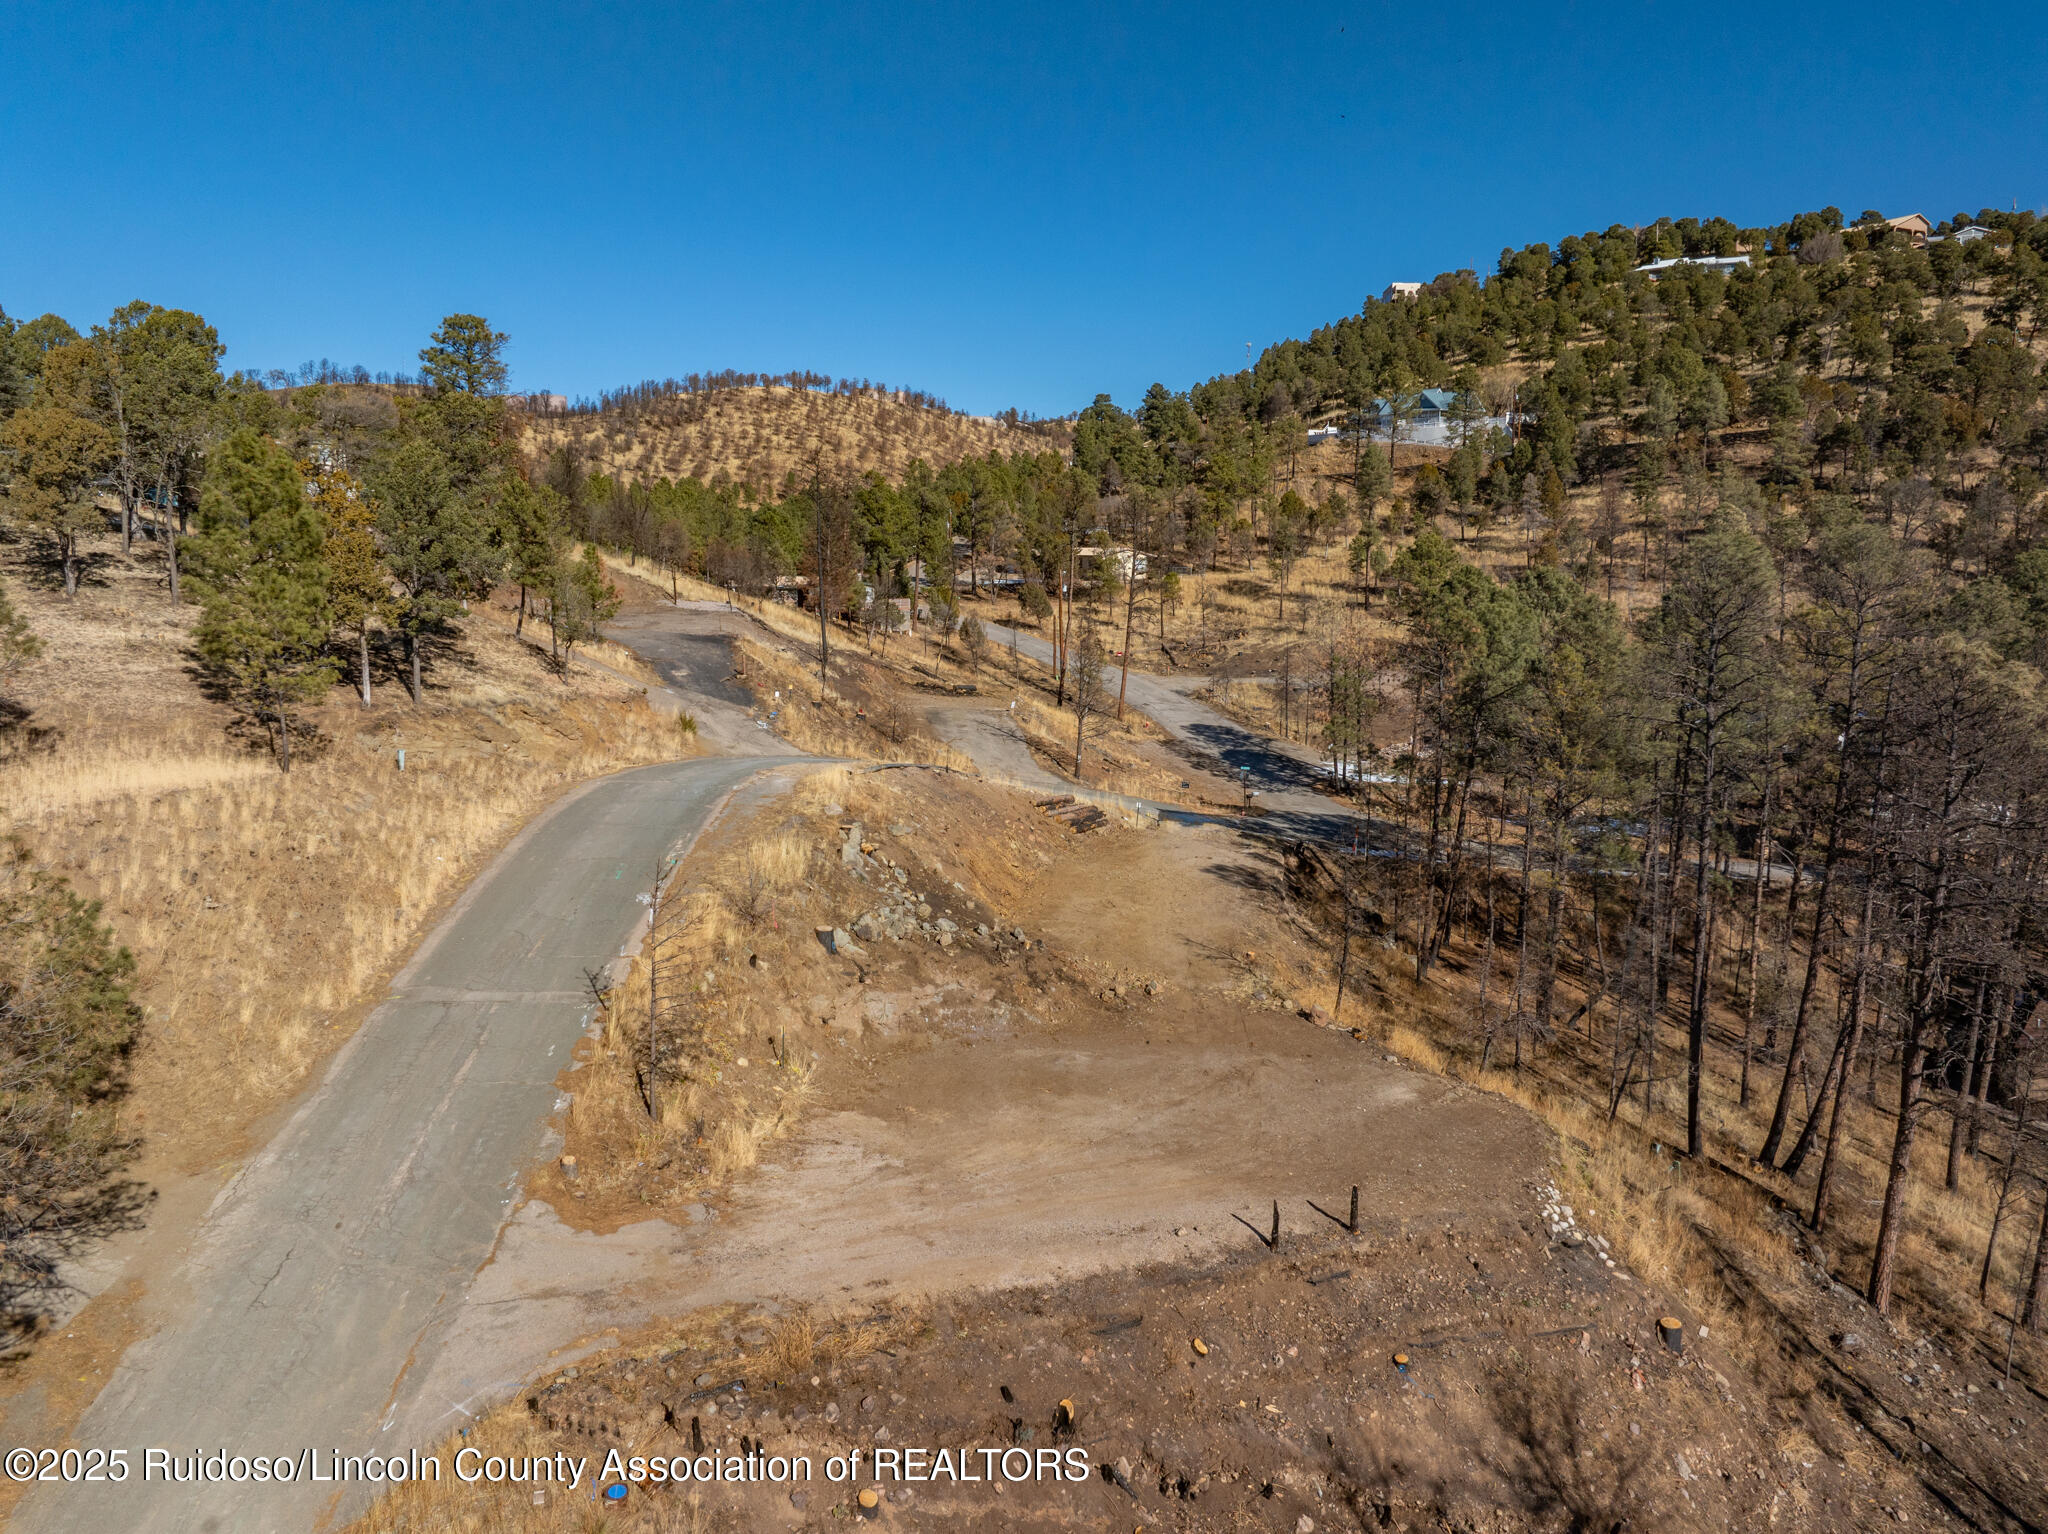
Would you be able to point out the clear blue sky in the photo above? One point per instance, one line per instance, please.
(1005, 205)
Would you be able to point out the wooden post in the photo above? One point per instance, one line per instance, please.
(1353, 1226)
(1273, 1241)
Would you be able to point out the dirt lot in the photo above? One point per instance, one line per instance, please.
(1035, 1170)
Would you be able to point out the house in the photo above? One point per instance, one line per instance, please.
(1127, 560)
(1722, 264)
(1400, 290)
(1324, 434)
(1431, 407)
(1914, 226)
(1969, 234)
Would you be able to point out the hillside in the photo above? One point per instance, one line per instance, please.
(759, 436)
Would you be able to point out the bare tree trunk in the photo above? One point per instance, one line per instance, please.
(1553, 926)
(2037, 1286)
(1702, 953)
(1654, 993)
(2012, 1156)
(1884, 1265)
(412, 650)
(1756, 925)
(363, 660)
(1130, 618)
(1959, 1115)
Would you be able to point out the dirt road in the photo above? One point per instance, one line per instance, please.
(314, 1297)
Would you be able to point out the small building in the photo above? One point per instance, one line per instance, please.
(1401, 290)
(1722, 264)
(1129, 562)
(1969, 234)
(1431, 407)
(1324, 434)
(1914, 226)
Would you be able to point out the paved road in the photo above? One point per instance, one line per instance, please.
(1284, 775)
(314, 1295)
(993, 740)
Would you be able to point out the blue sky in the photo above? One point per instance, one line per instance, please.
(1004, 205)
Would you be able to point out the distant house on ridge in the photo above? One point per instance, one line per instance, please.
(1914, 226)
(1721, 264)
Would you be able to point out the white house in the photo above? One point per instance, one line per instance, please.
(1722, 264)
(1400, 290)
(1127, 560)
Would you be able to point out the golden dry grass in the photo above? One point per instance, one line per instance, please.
(1715, 1237)
(263, 908)
(758, 436)
(876, 723)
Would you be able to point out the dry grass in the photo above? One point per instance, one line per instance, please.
(865, 717)
(719, 1096)
(756, 437)
(263, 908)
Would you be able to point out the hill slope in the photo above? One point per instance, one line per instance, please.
(758, 436)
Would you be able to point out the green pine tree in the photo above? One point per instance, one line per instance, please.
(18, 643)
(56, 455)
(67, 1025)
(358, 585)
(530, 521)
(436, 546)
(262, 584)
(584, 601)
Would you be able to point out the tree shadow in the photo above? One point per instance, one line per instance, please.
(1540, 1466)
(20, 735)
(246, 726)
(31, 1279)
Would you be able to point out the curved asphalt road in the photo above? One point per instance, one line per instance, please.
(1284, 775)
(317, 1287)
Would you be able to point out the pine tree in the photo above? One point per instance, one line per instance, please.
(57, 453)
(465, 356)
(530, 520)
(436, 547)
(18, 643)
(257, 570)
(358, 585)
(67, 1024)
(584, 601)
(13, 386)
